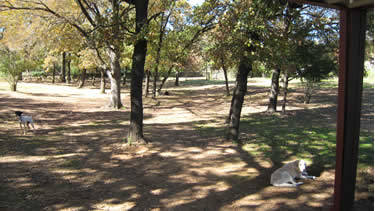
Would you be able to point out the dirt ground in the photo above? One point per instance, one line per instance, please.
(76, 158)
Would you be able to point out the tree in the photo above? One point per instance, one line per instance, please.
(186, 28)
(12, 64)
(87, 61)
(274, 90)
(135, 134)
(164, 19)
(318, 63)
(244, 27)
(50, 63)
(101, 24)
(279, 44)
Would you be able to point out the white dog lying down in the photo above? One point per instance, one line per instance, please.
(25, 121)
(284, 176)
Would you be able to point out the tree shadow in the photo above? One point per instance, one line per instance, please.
(82, 162)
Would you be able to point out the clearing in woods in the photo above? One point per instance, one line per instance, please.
(77, 160)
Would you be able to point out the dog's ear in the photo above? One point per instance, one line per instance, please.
(18, 113)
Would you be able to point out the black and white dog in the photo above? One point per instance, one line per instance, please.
(25, 121)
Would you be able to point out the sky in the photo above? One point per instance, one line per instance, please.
(195, 2)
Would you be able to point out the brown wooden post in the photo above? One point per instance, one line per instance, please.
(352, 46)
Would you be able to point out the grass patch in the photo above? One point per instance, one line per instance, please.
(282, 138)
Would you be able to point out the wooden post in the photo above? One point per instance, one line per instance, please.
(352, 47)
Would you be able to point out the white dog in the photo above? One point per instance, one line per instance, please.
(25, 121)
(284, 176)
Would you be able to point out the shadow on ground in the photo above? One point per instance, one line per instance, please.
(77, 160)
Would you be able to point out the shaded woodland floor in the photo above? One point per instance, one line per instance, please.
(76, 159)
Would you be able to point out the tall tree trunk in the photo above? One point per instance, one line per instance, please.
(69, 61)
(102, 80)
(177, 81)
(147, 83)
(54, 73)
(114, 76)
(114, 54)
(156, 78)
(63, 67)
(135, 134)
(83, 79)
(237, 99)
(225, 75)
(286, 80)
(158, 51)
(274, 91)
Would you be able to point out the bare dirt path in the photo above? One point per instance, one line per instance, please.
(77, 159)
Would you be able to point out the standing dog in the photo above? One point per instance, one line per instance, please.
(284, 176)
(25, 121)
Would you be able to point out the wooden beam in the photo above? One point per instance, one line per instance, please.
(352, 47)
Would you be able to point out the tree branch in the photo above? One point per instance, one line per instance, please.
(84, 11)
(6, 5)
(154, 16)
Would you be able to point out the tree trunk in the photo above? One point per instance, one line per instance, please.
(135, 134)
(286, 78)
(63, 67)
(69, 78)
(83, 79)
(54, 73)
(102, 81)
(13, 87)
(177, 81)
(158, 52)
(165, 79)
(114, 76)
(274, 91)
(147, 83)
(156, 77)
(237, 100)
(225, 75)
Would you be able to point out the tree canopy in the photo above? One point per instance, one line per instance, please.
(166, 35)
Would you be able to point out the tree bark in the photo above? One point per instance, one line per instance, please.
(135, 134)
(69, 60)
(54, 73)
(238, 99)
(102, 81)
(177, 81)
(115, 77)
(274, 91)
(83, 79)
(286, 80)
(63, 67)
(114, 53)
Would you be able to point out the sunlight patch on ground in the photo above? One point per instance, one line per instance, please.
(110, 204)
(18, 159)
